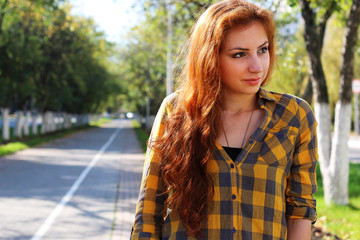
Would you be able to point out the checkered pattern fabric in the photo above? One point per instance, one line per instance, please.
(272, 179)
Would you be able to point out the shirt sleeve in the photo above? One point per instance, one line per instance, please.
(300, 202)
(150, 207)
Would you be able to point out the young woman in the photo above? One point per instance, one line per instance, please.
(226, 158)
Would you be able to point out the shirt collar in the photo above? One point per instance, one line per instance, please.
(266, 95)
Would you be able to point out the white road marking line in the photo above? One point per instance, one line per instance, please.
(64, 201)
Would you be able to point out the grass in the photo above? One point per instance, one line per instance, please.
(141, 134)
(99, 122)
(26, 142)
(343, 221)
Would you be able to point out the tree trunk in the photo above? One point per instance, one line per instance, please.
(27, 123)
(313, 35)
(337, 191)
(339, 162)
(322, 114)
(333, 158)
(5, 124)
(44, 120)
(34, 125)
(308, 93)
(67, 121)
(19, 124)
(314, 38)
(348, 50)
(51, 122)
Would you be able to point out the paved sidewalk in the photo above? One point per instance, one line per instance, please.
(34, 182)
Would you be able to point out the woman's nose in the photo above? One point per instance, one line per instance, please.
(255, 64)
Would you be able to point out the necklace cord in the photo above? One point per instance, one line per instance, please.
(247, 128)
(227, 142)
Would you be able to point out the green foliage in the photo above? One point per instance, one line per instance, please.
(291, 72)
(143, 62)
(51, 60)
(357, 60)
(141, 135)
(99, 122)
(331, 56)
(143, 57)
(12, 147)
(290, 75)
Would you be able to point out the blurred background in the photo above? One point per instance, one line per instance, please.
(71, 62)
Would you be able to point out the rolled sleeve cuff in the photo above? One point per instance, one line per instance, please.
(302, 211)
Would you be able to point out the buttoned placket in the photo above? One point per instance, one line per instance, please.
(235, 169)
(235, 172)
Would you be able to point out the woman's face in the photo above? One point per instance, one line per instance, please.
(244, 59)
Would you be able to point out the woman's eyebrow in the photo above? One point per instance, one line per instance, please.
(266, 42)
(246, 49)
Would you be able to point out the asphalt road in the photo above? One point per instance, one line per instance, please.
(83, 186)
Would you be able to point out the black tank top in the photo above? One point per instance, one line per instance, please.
(232, 152)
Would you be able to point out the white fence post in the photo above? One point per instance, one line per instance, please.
(67, 120)
(27, 123)
(5, 124)
(52, 122)
(34, 124)
(43, 123)
(62, 120)
(19, 124)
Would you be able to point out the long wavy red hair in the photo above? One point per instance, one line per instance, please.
(190, 131)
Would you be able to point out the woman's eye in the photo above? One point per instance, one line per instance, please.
(264, 50)
(239, 55)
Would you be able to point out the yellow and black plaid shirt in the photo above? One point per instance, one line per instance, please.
(272, 179)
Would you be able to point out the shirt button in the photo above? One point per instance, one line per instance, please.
(233, 230)
(233, 196)
(280, 135)
(251, 141)
(232, 165)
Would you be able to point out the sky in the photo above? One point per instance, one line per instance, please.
(114, 17)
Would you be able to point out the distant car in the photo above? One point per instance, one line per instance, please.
(129, 115)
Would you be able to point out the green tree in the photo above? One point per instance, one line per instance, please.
(143, 58)
(51, 60)
(185, 13)
(333, 155)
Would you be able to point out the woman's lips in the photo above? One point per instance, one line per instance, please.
(253, 81)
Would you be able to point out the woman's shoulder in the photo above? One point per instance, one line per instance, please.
(171, 98)
(286, 100)
(167, 106)
(169, 102)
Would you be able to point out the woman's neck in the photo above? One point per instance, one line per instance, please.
(239, 103)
